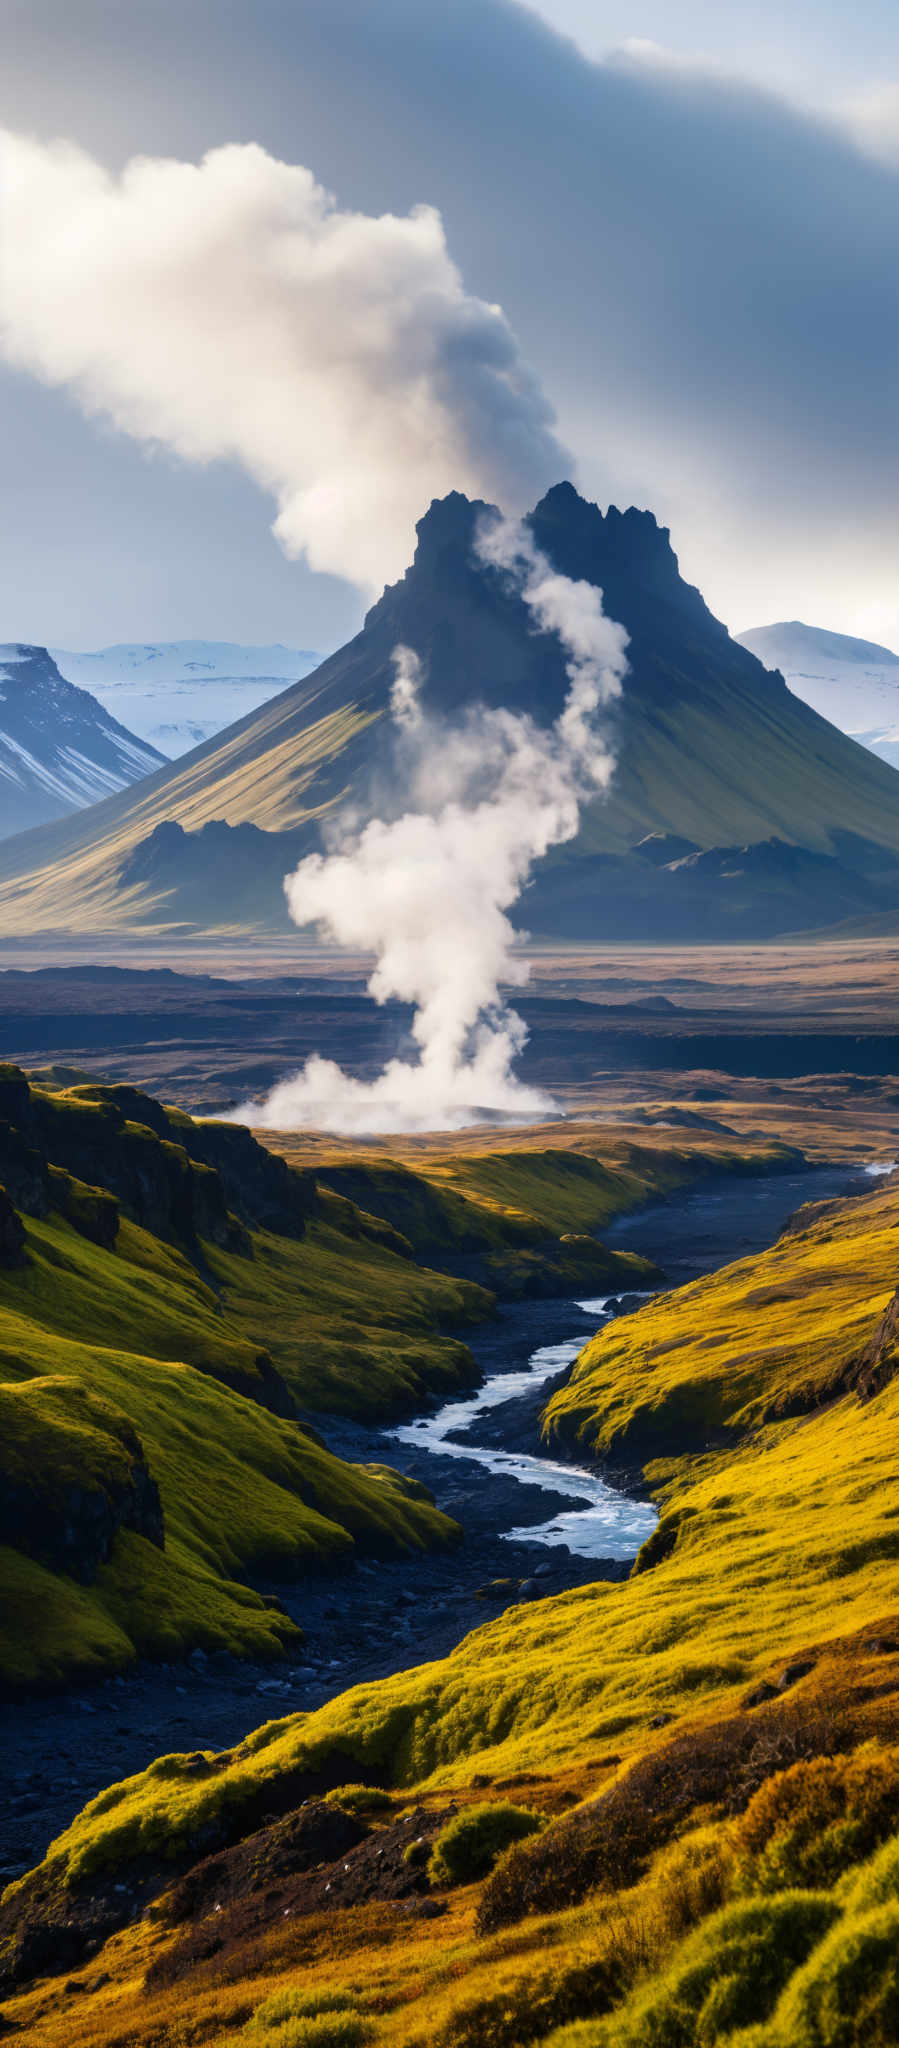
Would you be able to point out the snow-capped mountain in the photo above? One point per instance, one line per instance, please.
(59, 748)
(854, 683)
(177, 693)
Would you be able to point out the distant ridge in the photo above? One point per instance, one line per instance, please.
(735, 810)
(855, 683)
(792, 642)
(59, 749)
(178, 693)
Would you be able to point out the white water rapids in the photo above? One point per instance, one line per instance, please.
(606, 1523)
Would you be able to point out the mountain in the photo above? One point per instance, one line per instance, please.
(177, 693)
(59, 749)
(715, 757)
(854, 683)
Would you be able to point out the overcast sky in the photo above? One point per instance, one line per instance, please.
(688, 213)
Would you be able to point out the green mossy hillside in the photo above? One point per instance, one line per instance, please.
(74, 1473)
(358, 1324)
(516, 1250)
(182, 1179)
(771, 1337)
(153, 1320)
(241, 1490)
(786, 1538)
(520, 1217)
(151, 1456)
(500, 1193)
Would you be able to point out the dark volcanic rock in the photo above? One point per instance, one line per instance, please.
(311, 1863)
(877, 1364)
(12, 1234)
(92, 1148)
(51, 1923)
(318, 1833)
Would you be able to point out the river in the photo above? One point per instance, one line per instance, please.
(607, 1523)
(531, 1525)
(726, 1218)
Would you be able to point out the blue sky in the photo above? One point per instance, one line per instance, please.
(697, 252)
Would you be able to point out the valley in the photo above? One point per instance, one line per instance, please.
(369, 1629)
(403, 1442)
(521, 1537)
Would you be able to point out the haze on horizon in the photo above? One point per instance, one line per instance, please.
(688, 221)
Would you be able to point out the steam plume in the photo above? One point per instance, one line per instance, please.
(430, 891)
(231, 309)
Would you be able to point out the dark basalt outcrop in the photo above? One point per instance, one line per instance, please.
(86, 1151)
(317, 1833)
(318, 1858)
(12, 1234)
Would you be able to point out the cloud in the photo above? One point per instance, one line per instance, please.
(231, 309)
(429, 892)
(872, 119)
(702, 274)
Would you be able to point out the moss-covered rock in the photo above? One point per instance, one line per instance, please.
(72, 1474)
(156, 1373)
(472, 1842)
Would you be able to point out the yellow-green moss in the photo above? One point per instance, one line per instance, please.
(93, 1342)
(786, 1539)
(763, 1338)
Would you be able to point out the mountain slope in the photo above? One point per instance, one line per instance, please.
(712, 749)
(59, 749)
(854, 683)
(178, 693)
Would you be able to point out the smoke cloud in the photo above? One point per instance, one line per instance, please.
(430, 891)
(230, 309)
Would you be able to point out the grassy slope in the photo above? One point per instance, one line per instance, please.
(776, 1331)
(494, 1190)
(262, 770)
(354, 1326)
(786, 1539)
(241, 1489)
